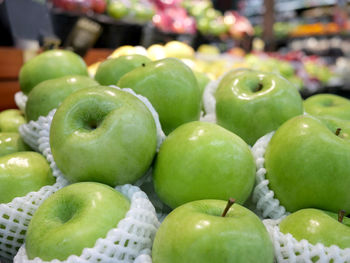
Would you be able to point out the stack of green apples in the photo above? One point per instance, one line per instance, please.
(306, 167)
(104, 135)
(25, 179)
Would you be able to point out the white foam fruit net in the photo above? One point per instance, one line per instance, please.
(266, 204)
(209, 101)
(289, 250)
(21, 100)
(130, 241)
(16, 215)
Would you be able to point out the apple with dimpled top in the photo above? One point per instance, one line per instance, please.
(103, 134)
(251, 103)
(72, 219)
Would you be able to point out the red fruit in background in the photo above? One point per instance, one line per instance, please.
(162, 21)
(99, 6)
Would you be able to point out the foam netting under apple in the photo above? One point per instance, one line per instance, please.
(289, 250)
(267, 206)
(130, 241)
(16, 215)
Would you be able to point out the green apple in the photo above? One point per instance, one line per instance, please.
(21, 173)
(308, 166)
(201, 160)
(251, 103)
(172, 89)
(142, 12)
(317, 226)
(72, 219)
(111, 70)
(203, 25)
(49, 94)
(117, 9)
(50, 65)
(217, 27)
(328, 105)
(11, 142)
(196, 232)
(10, 120)
(103, 134)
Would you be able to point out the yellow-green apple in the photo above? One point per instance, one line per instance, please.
(318, 226)
(10, 120)
(103, 134)
(21, 173)
(11, 142)
(172, 89)
(117, 9)
(251, 103)
(50, 65)
(328, 105)
(308, 166)
(111, 70)
(177, 49)
(49, 94)
(201, 160)
(72, 219)
(197, 232)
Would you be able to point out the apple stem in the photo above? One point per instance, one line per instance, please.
(341, 215)
(337, 132)
(143, 64)
(230, 202)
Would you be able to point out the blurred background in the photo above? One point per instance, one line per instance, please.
(306, 41)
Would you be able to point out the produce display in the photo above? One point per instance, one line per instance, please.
(205, 175)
